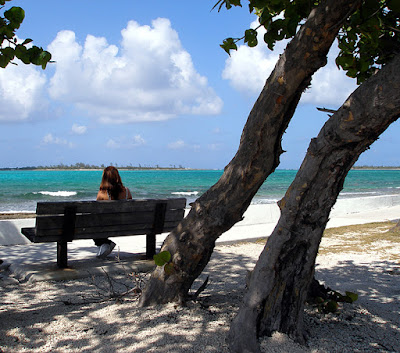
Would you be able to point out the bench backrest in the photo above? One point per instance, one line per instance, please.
(101, 219)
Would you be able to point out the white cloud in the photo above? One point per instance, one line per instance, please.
(21, 92)
(150, 78)
(79, 129)
(247, 69)
(176, 145)
(49, 139)
(329, 85)
(138, 140)
(113, 144)
(126, 142)
(214, 146)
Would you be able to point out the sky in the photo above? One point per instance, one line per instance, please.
(146, 83)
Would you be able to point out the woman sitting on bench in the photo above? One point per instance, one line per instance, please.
(111, 188)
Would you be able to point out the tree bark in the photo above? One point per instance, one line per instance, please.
(192, 242)
(283, 273)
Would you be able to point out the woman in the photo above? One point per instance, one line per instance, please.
(111, 188)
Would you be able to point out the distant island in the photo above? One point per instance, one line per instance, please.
(368, 167)
(84, 166)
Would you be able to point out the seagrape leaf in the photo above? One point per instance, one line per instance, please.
(331, 306)
(8, 52)
(169, 269)
(162, 258)
(351, 296)
(15, 15)
(228, 44)
(45, 57)
(3, 60)
(250, 37)
(21, 54)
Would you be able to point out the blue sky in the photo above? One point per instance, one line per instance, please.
(145, 82)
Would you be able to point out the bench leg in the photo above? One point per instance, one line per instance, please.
(62, 261)
(150, 245)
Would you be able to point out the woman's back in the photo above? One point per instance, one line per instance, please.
(124, 194)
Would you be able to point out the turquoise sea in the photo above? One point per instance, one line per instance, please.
(21, 190)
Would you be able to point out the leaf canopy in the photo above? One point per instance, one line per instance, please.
(367, 39)
(9, 47)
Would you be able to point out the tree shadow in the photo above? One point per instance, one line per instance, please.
(58, 316)
(373, 320)
(68, 316)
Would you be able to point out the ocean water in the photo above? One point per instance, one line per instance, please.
(21, 190)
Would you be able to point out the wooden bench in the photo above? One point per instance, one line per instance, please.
(63, 222)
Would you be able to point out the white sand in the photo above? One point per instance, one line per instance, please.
(75, 316)
(78, 316)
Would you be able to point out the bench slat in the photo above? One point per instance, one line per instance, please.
(44, 224)
(96, 235)
(139, 228)
(44, 208)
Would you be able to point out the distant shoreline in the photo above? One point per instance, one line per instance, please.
(94, 169)
(48, 169)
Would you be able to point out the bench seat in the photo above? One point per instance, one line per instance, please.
(63, 222)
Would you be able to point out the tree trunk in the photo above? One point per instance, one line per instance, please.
(191, 244)
(281, 277)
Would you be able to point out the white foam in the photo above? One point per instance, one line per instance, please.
(185, 193)
(57, 193)
(20, 211)
(363, 193)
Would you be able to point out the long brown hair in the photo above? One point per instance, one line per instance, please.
(111, 182)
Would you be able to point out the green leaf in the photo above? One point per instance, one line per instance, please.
(228, 4)
(3, 61)
(228, 44)
(162, 258)
(44, 58)
(269, 40)
(15, 15)
(169, 269)
(250, 37)
(352, 73)
(235, 2)
(291, 27)
(265, 18)
(27, 41)
(8, 53)
(346, 61)
(21, 54)
(351, 297)
(7, 32)
(331, 306)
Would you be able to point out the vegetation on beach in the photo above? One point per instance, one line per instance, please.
(381, 167)
(85, 166)
(362, 239)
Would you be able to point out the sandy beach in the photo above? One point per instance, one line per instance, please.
(98, 313)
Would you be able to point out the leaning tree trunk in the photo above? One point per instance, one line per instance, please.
(191, 244)
(281, 277)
